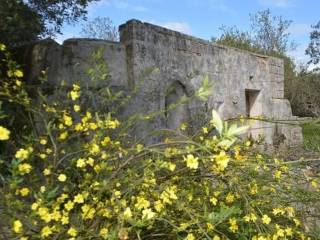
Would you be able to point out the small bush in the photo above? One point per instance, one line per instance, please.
(75, 175)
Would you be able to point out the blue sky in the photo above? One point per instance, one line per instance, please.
(203, 18)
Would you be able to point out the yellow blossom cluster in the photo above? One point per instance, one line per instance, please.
(82, 176)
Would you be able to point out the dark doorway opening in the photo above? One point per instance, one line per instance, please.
(252, 106)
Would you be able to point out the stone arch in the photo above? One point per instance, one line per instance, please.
(176, 110)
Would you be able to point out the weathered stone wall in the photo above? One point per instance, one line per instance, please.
(70, 62)
(186, 60)
(243, 83)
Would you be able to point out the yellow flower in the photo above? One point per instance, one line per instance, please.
(297, 222)
(87, 212)
(17, 226)
(90, 161)
(222, 160)
(158, 206)
(48, 151)
(105, 141)
(127, 214)
(229, 198)
(46, 172)
(216, 237)
(24, 192)
(74, 95)
(190, 237)
(112, 124)
(250, 217)
(56, 215)
(277, 211)
(42, 189)
(62, 177)
(4, 134)
(94, 149)
(192, 162)
(78, 127)
(2, 47)
(78, 198)
(117, 194)
(266, 219)
(65, 219)
(43, 141)
(142, 203)
(148, 214)
(280, 232)
(63, 136)
(290, 211)
(76, 108)
(314, 184)
(205, 130)
(171, 166)
(72, 232)
(17, 73)
(169, 194)
(254, 189)
(183, 126)
(233, 225)
(22, 154)
(46, 231)
(44, 214)
(104, 232)
(214, 201)
(93, 126)
(67, 120)
(69, 205)
(289, 231)
(81, 163)
(18, 83)
(34, 206)
(277, 174)
(24, 168)
(76, 87)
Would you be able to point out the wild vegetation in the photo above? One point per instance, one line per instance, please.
(69, 172)
(23, 22)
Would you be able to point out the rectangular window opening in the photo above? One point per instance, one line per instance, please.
(252, 107)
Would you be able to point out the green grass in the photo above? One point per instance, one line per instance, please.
(311, 135)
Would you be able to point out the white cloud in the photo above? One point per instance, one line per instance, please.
(61, 37)
(300, 29)
(120, 4)
(183, 27)
(277, 3)
(178, 26)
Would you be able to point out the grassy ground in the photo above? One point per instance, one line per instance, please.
(311, 134)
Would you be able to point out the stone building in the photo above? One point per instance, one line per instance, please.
(243, 83)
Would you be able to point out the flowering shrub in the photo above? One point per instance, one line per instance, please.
(78, 178)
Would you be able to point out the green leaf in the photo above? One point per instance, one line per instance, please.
(226, 143)
(223, 214)
(205, 90)
(53, 193)
(217, 122)
(236, 131)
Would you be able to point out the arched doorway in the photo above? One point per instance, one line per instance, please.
(177, 111)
